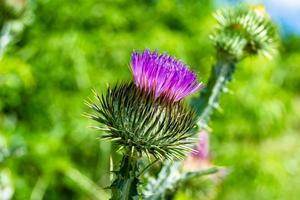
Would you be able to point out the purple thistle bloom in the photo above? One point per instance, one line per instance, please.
(163, 75)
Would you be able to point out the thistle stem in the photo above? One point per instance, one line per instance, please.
(208, 100)
(125, 187)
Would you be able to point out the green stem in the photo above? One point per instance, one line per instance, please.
(125, 187)
(208, 100)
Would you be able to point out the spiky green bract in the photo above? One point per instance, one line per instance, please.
(139, 122)
(244, 31)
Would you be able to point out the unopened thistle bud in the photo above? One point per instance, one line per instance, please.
(147, 115)
(244, 31)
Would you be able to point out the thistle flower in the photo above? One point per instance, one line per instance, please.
(146, 115)
(163, 75)
(244, 31)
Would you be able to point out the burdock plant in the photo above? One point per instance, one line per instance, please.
(147, 117)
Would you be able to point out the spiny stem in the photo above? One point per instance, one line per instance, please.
(125, 187)
(208, 100)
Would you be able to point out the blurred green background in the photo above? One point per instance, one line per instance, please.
(47, 150)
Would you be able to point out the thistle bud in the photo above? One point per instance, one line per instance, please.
(147, 115)
(244, 31)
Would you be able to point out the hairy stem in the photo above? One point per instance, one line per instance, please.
(125, 187)
(208, 100)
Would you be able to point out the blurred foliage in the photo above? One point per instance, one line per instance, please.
(74, 46)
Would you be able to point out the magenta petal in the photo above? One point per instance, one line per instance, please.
(163, 74)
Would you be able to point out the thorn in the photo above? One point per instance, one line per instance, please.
(94, 91)
(99, 138)
(107, 138)
(111, 168)
(226, 90)
(120, 148)
(99, 128)
(148, 155)
(115, 139)
(132, 150)
(87, 115)
(206, 127)
(218, 107)
(209, 129)
(88, 103)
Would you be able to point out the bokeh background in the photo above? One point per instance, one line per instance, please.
(60, 50)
